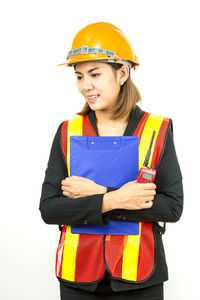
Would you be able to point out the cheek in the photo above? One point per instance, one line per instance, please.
(79, 86)
(106, 85)
(114, 89)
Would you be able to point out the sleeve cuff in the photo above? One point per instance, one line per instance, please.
(94, 214)
(110, 189)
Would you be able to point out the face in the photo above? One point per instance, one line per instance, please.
(99, 84)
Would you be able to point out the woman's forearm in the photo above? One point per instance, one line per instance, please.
(109, 201)
(166, 206)
(131, 196)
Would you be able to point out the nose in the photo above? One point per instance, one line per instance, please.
(87, 84)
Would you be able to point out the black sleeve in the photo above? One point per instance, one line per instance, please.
(58, 209)
(168, 201)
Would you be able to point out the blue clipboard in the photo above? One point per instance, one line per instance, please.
(110, 161)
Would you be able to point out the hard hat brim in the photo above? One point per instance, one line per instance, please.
(71, 62)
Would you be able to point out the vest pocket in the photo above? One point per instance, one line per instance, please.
(131, 258)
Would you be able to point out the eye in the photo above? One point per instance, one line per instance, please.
(95, 75)
(79, 77)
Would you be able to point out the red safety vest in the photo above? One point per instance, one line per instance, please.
(85, 257)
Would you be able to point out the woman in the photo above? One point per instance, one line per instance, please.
(104, 265)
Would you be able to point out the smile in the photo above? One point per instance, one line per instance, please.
(92, 98)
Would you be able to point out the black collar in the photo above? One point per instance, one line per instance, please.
(134, 119)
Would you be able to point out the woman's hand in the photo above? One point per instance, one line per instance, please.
(76, 187)
(130, 196)
(135, 195)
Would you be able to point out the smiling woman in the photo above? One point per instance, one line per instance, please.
(98, 84)
(100, 143)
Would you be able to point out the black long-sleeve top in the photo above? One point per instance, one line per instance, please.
(167, 205)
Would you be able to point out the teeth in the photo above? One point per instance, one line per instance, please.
(92, 97)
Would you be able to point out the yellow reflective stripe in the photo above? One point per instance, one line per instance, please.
(131, 250)
(131, 256)
(69, 255)
(71, 240)
(75, 127)
(153, 123)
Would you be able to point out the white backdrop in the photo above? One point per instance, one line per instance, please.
(36, 96)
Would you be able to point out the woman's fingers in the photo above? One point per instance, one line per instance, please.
(146, 193)
(70, 195)
(65, 188)
(148, 186)
(148, 204)
(149, 198)
(66, 182)
(66, 194)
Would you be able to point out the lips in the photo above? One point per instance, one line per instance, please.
(92, 98)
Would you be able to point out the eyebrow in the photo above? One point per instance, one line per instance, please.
(89, 71)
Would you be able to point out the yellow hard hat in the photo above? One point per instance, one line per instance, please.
(101, 42)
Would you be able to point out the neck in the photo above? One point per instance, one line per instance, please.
(106, 118)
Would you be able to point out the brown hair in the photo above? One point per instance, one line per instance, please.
(128, 96)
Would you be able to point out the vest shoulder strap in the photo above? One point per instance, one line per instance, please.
(144, 130)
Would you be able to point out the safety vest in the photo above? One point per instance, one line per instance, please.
(83, 258)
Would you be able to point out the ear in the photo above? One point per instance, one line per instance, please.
(123, 74)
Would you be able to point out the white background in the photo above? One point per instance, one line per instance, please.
(36, 96)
